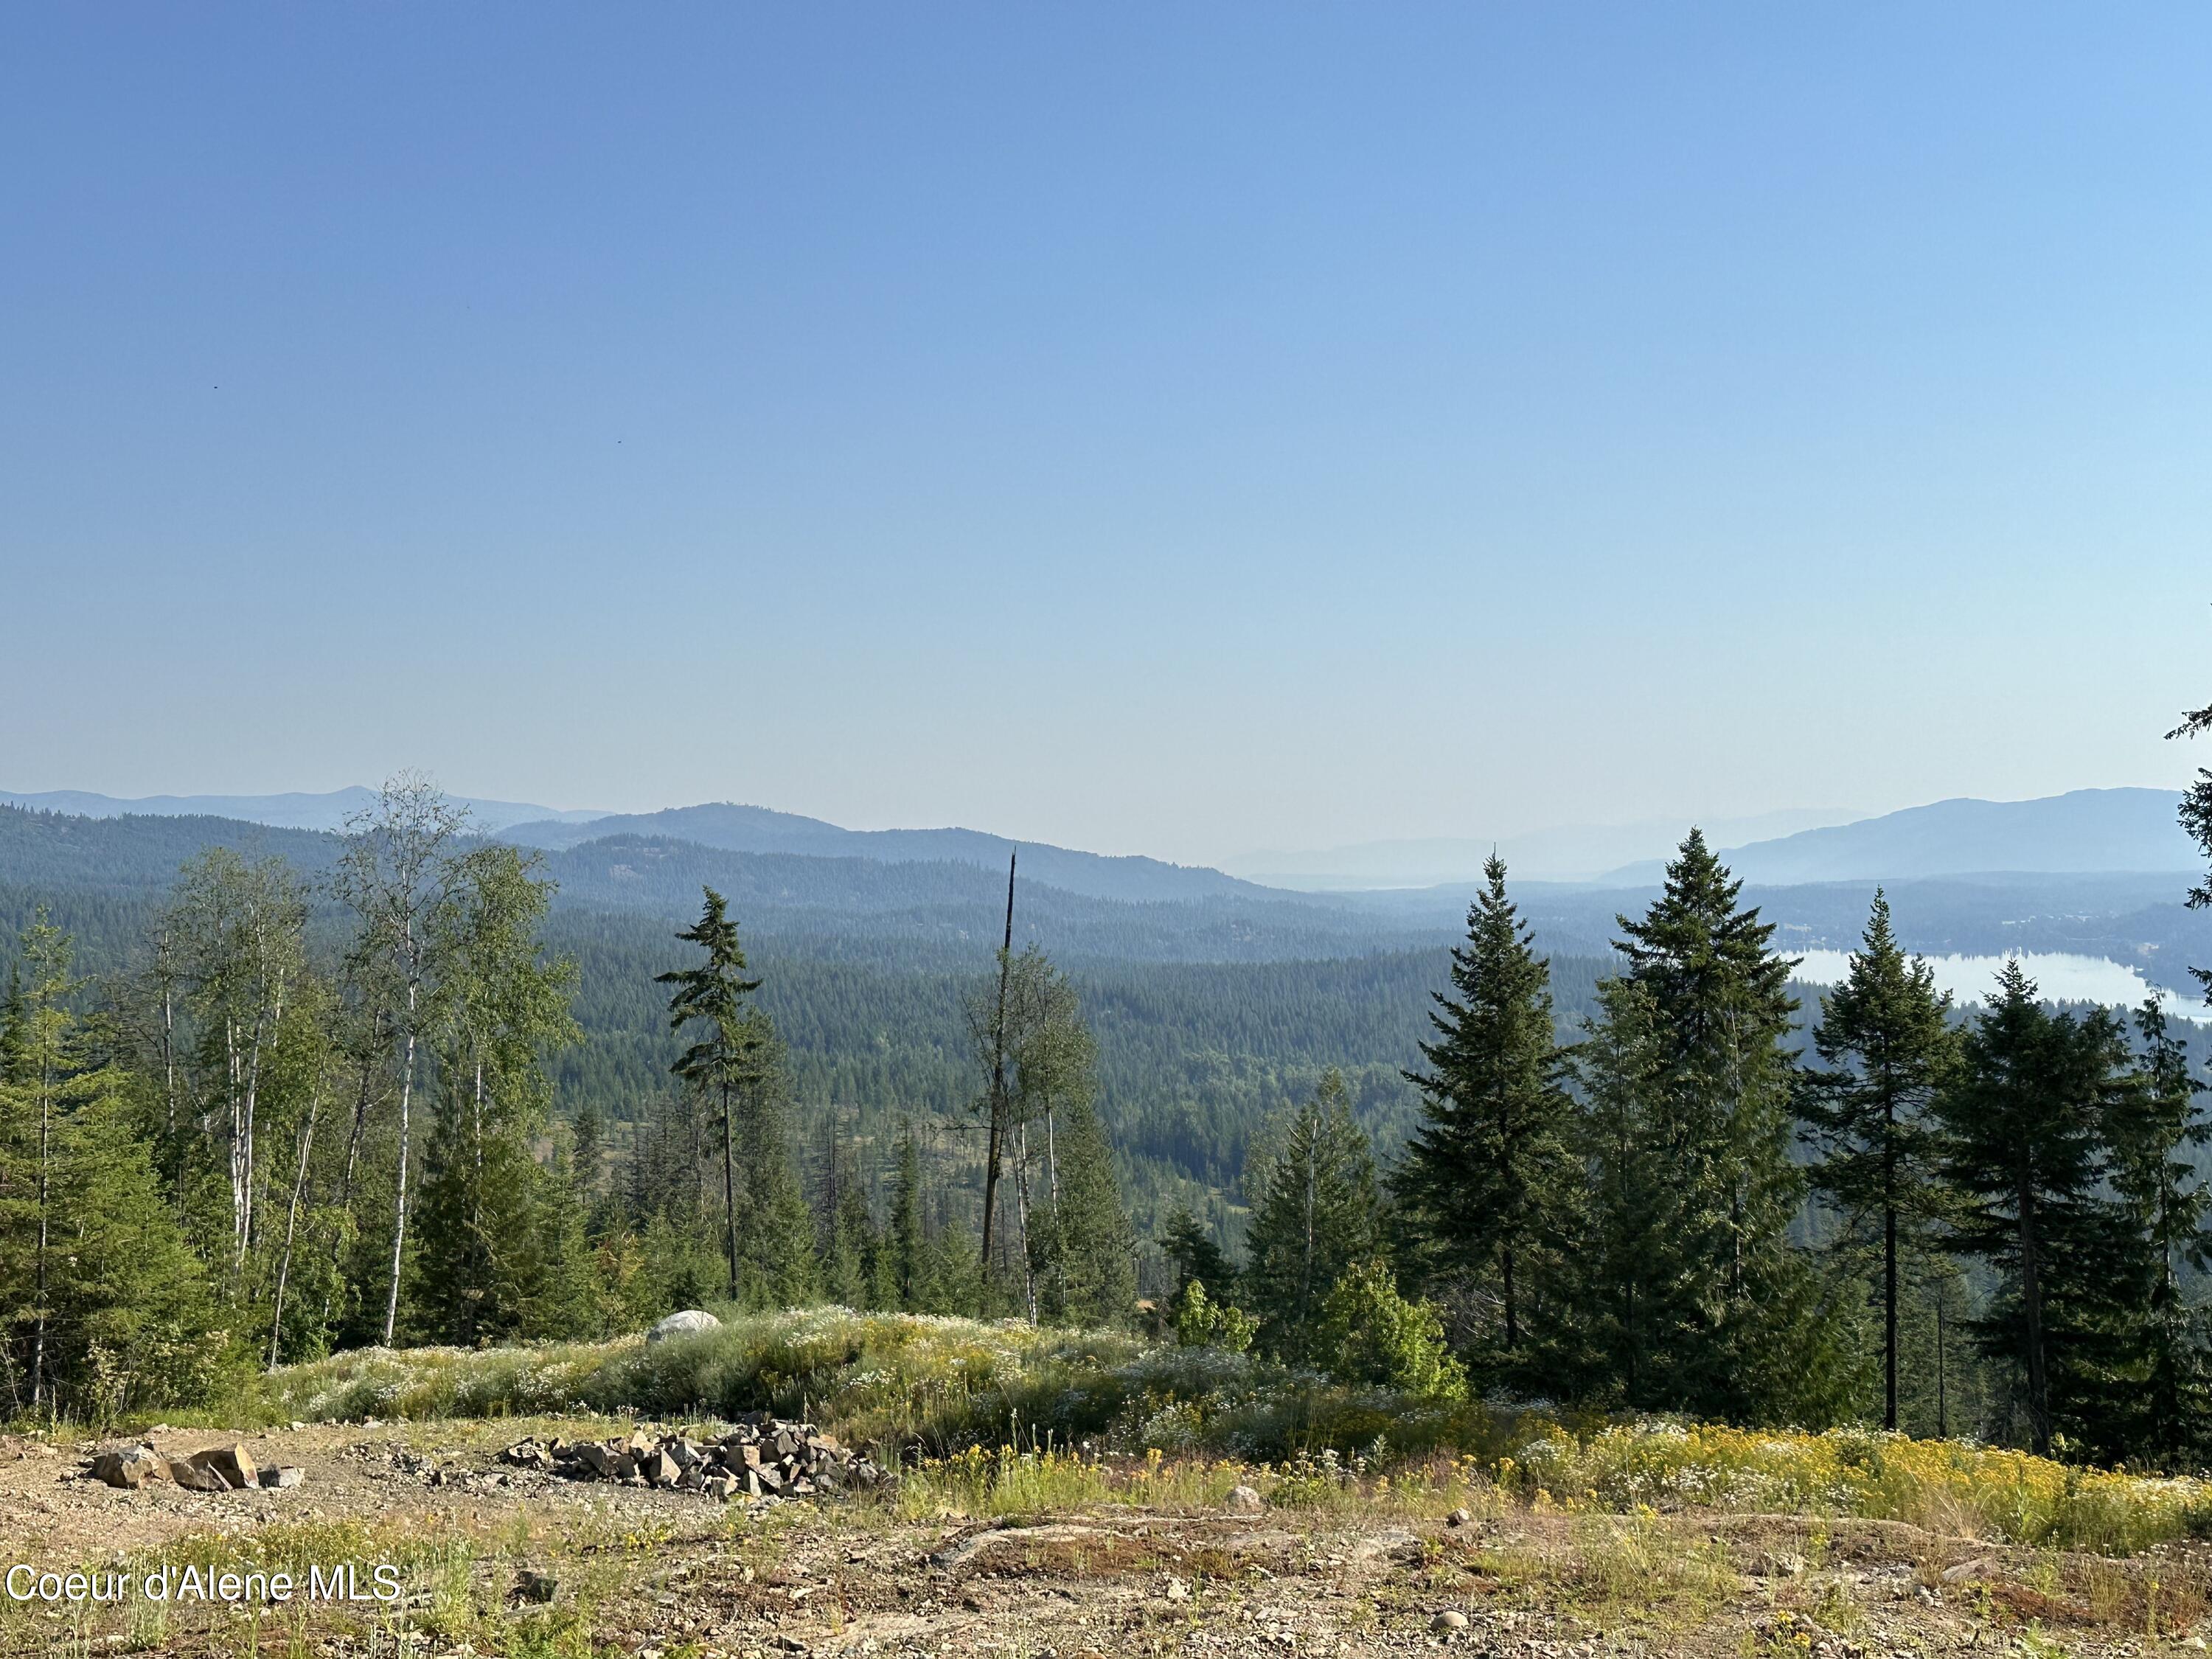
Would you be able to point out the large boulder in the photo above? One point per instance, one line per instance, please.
(232, 1463)
(130, 1469)
(689, 1322)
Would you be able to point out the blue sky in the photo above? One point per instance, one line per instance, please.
(1168, 428)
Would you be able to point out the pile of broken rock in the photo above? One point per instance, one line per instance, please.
(219, 1468)
(759, 1457)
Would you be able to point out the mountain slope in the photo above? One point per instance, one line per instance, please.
(2087, 831)
(759, 829)
(294, 810)
(1574, 852)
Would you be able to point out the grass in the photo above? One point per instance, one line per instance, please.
(1004, 1419)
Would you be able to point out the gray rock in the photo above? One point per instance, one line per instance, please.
(129, 1469)
(234, 1463)
(1449, 1619)
(689, 1322)
(282, 1476)
(1244, 1500)
(539, 1587)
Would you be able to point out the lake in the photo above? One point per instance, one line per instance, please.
(2060, 977)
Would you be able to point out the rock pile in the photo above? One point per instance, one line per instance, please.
(219, 1468)
(760, 1456)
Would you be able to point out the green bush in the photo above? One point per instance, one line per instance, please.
(1372, 1337)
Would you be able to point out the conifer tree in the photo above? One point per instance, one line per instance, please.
(908, 1250)
(2157, 1135)
(1886, 1045)
(1728, 1319)
(500, 1008)
(775, 1226)
(711, 997)
(850, 1248)
(1190, 1248)
(1086, 1251)
(1317, 1214)
(2024, 1151)
(1485, 1182)
(106, 1306)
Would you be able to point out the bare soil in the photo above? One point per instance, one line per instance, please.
(674, 1574)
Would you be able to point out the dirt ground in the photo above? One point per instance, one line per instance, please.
(493, 1560)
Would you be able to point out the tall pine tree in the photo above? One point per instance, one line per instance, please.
(1886, 1045)
(710, 997)
(2026, 1123)
(1485, 1180)
(2157, 1138)
(1694, 1094)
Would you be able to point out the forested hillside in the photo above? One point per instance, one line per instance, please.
(494, 1092)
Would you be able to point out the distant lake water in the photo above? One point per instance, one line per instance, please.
(2059, 977)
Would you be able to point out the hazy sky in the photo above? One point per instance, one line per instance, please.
(1181, 428)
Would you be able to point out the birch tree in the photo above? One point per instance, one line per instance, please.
(396, 874)
(236, 930)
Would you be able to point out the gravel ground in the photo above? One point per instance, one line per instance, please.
(496, 1560)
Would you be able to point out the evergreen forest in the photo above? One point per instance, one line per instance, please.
(266, 1094)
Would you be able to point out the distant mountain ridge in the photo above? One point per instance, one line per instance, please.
(2083, 832)
(1572, 851)
(735, 828)
(291, 811)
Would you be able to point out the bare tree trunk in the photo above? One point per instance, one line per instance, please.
(1051, 1158)
(291, 1228)
(242, 1159)
(399, 1213)
(730, 1187)
(45, 1191)
(999, 1073)
(169, 1031)
(1022, 1213)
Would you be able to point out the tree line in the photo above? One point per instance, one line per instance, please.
(254, 1149)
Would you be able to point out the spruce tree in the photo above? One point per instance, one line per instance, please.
(849, 1246)
(1729, 1319)
(711, 997)
(1485, 1182)
(1084, 1251)
(2157, 1137)
(1190, 1248)
(1317, 1214)
(1886, 1045)
(909, 1244)
(107, 1308)
(500, 1008)
(2025, 1152)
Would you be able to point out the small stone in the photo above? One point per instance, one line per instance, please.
(539, 1587)
(1177, 1590)
(1450, 1619)
(689, 1322)
(283, 1477)
(1244, 1500)
(1460, 1517)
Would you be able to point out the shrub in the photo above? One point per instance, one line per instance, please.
(1372, 1337)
